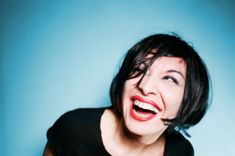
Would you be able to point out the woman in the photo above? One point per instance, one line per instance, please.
(161, 88)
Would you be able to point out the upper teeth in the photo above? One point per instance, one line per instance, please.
(147, 106)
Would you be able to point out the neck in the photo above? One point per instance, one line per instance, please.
(139, 140)
(118, 140)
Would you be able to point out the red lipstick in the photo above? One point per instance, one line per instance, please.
(139, 98)
(138, 110)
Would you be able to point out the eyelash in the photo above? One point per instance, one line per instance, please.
(139, 70)
(171, 78)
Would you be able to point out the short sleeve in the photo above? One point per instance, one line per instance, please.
(178, 145)
(60, 136)
(76, 132)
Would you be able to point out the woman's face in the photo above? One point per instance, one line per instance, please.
(158, 95)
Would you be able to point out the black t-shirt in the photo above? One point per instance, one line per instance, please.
(77, 133)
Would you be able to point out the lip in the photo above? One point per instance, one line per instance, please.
(138, 117)
(142, 116)
(139, 98)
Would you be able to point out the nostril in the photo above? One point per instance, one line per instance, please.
(147, 89)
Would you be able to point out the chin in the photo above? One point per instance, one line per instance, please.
(143, 128)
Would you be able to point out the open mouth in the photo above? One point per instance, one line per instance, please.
(142, 110)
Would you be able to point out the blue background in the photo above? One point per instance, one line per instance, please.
(60, 55)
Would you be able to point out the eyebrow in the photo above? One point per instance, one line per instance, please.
(175, 71)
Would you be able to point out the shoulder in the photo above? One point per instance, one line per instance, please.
(74, 130)
(177, 144)
(81, 115)
(74, 119)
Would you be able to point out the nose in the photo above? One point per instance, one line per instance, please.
(147, 85)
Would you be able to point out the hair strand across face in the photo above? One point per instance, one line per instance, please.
(139, 59)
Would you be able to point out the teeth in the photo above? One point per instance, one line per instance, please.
(146, 106)
(142, 115)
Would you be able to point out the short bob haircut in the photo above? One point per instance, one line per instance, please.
(196, 93)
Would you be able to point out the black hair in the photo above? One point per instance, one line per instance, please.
(197, 86)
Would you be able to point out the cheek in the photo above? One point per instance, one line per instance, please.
(127, 89)
(173, 101)
(129, 86)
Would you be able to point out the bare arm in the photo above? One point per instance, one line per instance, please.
(47, 151)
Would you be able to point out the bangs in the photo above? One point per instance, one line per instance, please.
(142, 55)
(145, 58)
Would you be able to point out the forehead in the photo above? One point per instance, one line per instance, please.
(170, 60)
(169, 63)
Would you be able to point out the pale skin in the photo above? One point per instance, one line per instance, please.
(164, 84)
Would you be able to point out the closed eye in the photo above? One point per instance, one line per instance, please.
(171, 79)
(140, 69)
(137, 72)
